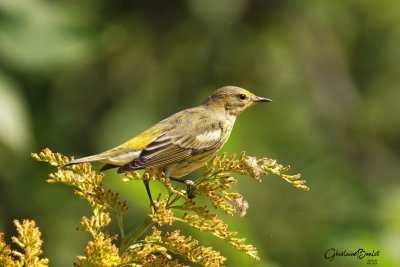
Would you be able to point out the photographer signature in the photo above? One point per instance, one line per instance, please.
(331, 253)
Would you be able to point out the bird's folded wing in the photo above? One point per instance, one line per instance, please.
(179, 144)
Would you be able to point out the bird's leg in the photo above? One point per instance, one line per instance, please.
(153, 205)
(189, 186)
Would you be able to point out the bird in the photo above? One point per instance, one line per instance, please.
(183, 142)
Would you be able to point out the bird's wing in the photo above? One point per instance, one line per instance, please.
(184, 141)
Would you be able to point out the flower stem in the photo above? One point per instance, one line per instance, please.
(135, 234)
(118, 216)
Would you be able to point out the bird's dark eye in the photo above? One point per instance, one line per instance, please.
(242, 96)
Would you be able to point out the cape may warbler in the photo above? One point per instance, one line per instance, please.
(182, 142)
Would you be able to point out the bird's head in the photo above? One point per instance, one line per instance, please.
(233, 100)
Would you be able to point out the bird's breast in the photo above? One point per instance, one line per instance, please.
(227, 128)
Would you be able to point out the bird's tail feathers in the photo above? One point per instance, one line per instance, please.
(87, 159)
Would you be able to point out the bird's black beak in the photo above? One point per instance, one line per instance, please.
(261, 99)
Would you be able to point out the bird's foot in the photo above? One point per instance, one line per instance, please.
(189, 189)
(189, 186)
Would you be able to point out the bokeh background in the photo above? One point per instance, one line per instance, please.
(83, 76)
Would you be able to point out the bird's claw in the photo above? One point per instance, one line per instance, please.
(189, 189)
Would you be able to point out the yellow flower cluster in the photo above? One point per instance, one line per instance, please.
(157, 250)
(54, 159)
(163, 215)
(6, 258)
(100, 252)
(206, 222)
(139, 247)
(29, 242)
(189, 249)
(274, 167)
(87, 184)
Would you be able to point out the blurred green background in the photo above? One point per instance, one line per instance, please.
(83, 76)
